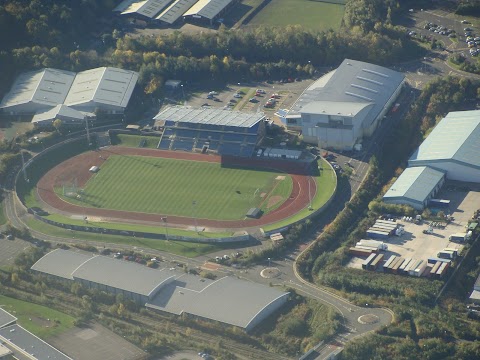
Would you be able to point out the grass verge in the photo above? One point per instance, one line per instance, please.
(40, 320)
(151, 142)
(187, 249)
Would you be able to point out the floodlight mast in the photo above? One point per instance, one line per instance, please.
(194, 203)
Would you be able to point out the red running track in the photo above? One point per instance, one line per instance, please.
(77, 168)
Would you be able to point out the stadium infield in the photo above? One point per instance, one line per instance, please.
(78, 168)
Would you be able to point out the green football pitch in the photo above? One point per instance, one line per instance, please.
(184, 188)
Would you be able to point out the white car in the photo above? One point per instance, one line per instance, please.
(238, 96)
(261, 91)
(212, 93)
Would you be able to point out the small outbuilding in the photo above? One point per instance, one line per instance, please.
(94, 169)
(254, 213)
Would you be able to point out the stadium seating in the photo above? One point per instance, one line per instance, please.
(187, 133)
(164, 144)
(182, 144)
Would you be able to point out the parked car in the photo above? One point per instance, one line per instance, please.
(237, 96)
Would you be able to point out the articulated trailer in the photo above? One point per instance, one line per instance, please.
(435, 268)
(359, 252)
(415, 266)
(373, 243)
(404, 265)
(395, 267)
(442, 270)
(389, 261)
(368, 261)
(375, 263)
(376, 234)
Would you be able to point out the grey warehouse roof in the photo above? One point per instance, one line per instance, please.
(6, 318)
(106, 85)
(208, 8)
(228, 300)
(148, 8)
(210, 116)
(59, 111)
(103, 270)
(415, 183)
(61, 263)
(456, 137)
(30, 344)
(122, 275)
(175, 10)
(353, 82)
(47, 87)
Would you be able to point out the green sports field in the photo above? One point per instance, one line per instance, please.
(312, 15)
(170, 186)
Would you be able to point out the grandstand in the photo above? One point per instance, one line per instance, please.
(217, 131)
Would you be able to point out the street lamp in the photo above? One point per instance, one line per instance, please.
(194, 203)
(183, 93)
(164, 219)
(269, 261)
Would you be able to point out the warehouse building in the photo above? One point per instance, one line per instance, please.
(451, 152)
(208, 10)
(345, 105)
(146, 8)
(415, 186)
(68, 116)
(36, 91)
(227, 300)
(453, 147)
(50, 93)
(107, 89)
(175, 11)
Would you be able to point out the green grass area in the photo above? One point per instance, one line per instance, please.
(183, 248)
(35, 317)
(3, 218)
(282, 190)
(313, 15)
(326, 184)
(135, 140)
(169, 186)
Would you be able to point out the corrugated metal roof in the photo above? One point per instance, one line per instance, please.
(148, 8)
(29, 343)
(105, 85)
(228, 300)
(210, 116)
(175, 10)
(58, 111)
(342, 108)
(456, 137)
(208, 8)
(352, 82)
(46, 86)
(415, 183)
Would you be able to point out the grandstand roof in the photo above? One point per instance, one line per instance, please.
(208, 8)
(148, 8)
(6, 318)
(175, 10)
(46, 87)
(210, 116)
(353, 82)
(415, 183)
(30, 344)
(59, 111)
(105, 85)
(61, 263)
(456, 137)
(228, 300)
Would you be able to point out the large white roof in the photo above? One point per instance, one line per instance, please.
(105, 85)
(148, 8)
(175, 10)
(208, 8)
(353, 82)
(60, 111)
(415, 183)
(228, 300)
(46, 87)
(456, 137)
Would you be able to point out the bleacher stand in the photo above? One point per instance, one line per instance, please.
(208, 130)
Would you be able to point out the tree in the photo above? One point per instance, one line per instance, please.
(57, 124)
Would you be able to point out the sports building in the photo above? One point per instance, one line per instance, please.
(451, 151)
(50, 93)
(227, 300)
(345, 105)
(206, 130)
